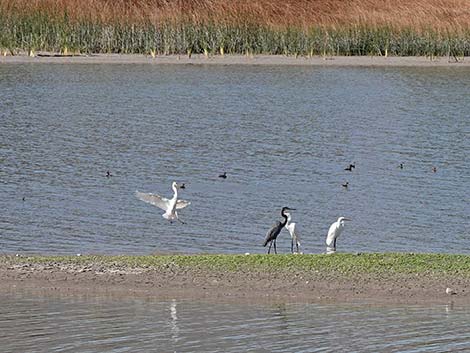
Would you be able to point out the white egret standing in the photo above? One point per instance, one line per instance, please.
(168, 205)
(272, 234)
(290, 226)
(333, 233)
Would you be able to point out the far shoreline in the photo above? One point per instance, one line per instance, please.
(255, 60)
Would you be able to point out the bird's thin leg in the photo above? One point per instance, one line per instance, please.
(292, 245)
(275, 250)
(297, 246)
(334, 245)
(269, 250)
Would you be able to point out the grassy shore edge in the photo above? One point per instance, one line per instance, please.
(344, 263)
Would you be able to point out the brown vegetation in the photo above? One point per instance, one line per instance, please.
(288, 27)
(418, 15)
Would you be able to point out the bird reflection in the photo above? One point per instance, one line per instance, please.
(174, 322)
(449, 307)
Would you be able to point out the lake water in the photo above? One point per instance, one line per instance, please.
(35, 323)
(283, 134)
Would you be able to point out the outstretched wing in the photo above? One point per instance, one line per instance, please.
(182, 204)
(154, 199)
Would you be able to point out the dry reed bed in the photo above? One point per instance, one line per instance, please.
(291, 27)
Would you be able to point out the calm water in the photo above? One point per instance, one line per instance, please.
(30, 323)
(283, 134)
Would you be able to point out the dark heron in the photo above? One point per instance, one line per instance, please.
(272, 234)
(223, 176)
(350, 167)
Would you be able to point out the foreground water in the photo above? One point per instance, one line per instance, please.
(283, 134)
(32, 323)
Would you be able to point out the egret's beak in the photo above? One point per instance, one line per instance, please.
(347, 219)
(291, 209)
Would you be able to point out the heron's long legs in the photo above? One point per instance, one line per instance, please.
(275, 250)
(269, 250)
(292, 246)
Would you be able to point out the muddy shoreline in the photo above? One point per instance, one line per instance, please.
(185, 283)
(262, 60)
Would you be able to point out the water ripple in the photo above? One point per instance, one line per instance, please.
(283, 134)
(88, 324)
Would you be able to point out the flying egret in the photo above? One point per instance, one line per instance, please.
(333, 233)
(169, 206)
(272, 234)
(223, 176)
(290, 226)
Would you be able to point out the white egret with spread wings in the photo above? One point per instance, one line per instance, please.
(168, 205)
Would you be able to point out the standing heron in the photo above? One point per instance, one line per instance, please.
(333, 233)
(272, 234)
(290, 226)
(168, 205)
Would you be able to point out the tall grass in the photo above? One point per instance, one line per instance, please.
(289, 27)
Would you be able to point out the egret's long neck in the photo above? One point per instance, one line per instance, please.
(175, 192)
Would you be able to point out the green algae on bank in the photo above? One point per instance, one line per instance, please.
(345, 264)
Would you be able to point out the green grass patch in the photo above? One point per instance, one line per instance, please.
(346, 264)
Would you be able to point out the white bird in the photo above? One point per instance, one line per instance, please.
(450, 291)
(169, 206)
(333, 233)
(290, 226)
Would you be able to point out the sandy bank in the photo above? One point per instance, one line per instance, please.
(182, 279)
(367, 61)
